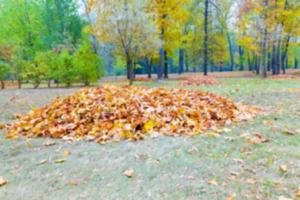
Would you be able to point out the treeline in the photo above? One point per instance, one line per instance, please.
(45, 41)
(134, 36)
(200, 35)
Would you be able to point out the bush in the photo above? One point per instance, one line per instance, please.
(87, 64)
(5, 72)
(48, 62)
(34, 72)
(65, 72)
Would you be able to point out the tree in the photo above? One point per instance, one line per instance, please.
(87, 64)
(127, 26)
(170, 17)
(5, 72)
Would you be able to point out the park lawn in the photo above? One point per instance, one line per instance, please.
(201, 167)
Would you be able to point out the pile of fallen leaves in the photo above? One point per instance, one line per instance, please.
(112, 113)
(199, 81)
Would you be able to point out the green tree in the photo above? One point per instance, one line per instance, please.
(87, 64)
(5, 72)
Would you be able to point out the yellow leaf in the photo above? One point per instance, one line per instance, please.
(66, 153)
(149, 125)
(283, 168)
(59, 161)
(213, 182)
(2, 182)
(298, 193)
(212, 134)
(129, 173)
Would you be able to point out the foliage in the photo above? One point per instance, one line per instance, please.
(87, 64)
(66, 72)
(114, 113)
(5, 72)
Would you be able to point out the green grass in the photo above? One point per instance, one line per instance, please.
(165, 167)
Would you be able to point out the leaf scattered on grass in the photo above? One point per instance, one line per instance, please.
(3, 182)
(298, 193)
(284, 198)
(257, 138)
(49, 143)
(43, 161)
(66, 153)
(59, 161)
(213, 182)
(2, 126)
(129, 173)
(112, 113)
(283, 168)
(250, 181)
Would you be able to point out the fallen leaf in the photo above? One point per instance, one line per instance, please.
(2, 126)
(213, 182)
(60, 161)
(250, 181)
(43, 161)
(284, 198)
(212, 134)
(129, 173)
(66, 153)
(231, 197)
(3, 182)
(49, 143)
(289, 132)
(113, 113)
(283, 168)
(193, 150)
(298, 193)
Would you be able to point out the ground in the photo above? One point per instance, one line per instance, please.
(201, 167)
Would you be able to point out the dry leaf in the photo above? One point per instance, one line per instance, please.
(66, 153)
(2, 126)
(212, 134)
(284, 198)
(193, 150)
(59, 161)
(49, 143)
(129, 173)
(43, 161)
(112, 113)
(250, 181)
(283, 168)
(231, 197)
(213, 182)
(298, 193)
(3, 182)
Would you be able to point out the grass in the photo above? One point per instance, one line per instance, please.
(165, 167)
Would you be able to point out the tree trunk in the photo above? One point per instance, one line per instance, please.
(130, 70)
(186, 63)
(160, 65)
(241, 54)
(2, 84)
(273, 60)
(257, 65)
(269, 61)
(296, 63)
(19, 84)
(181, 61)
(230, 52)
(285, 52)
(264, 59)
(49, 83)
(205, 38)
(149, 67)
(166, 64)
(278, 59)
